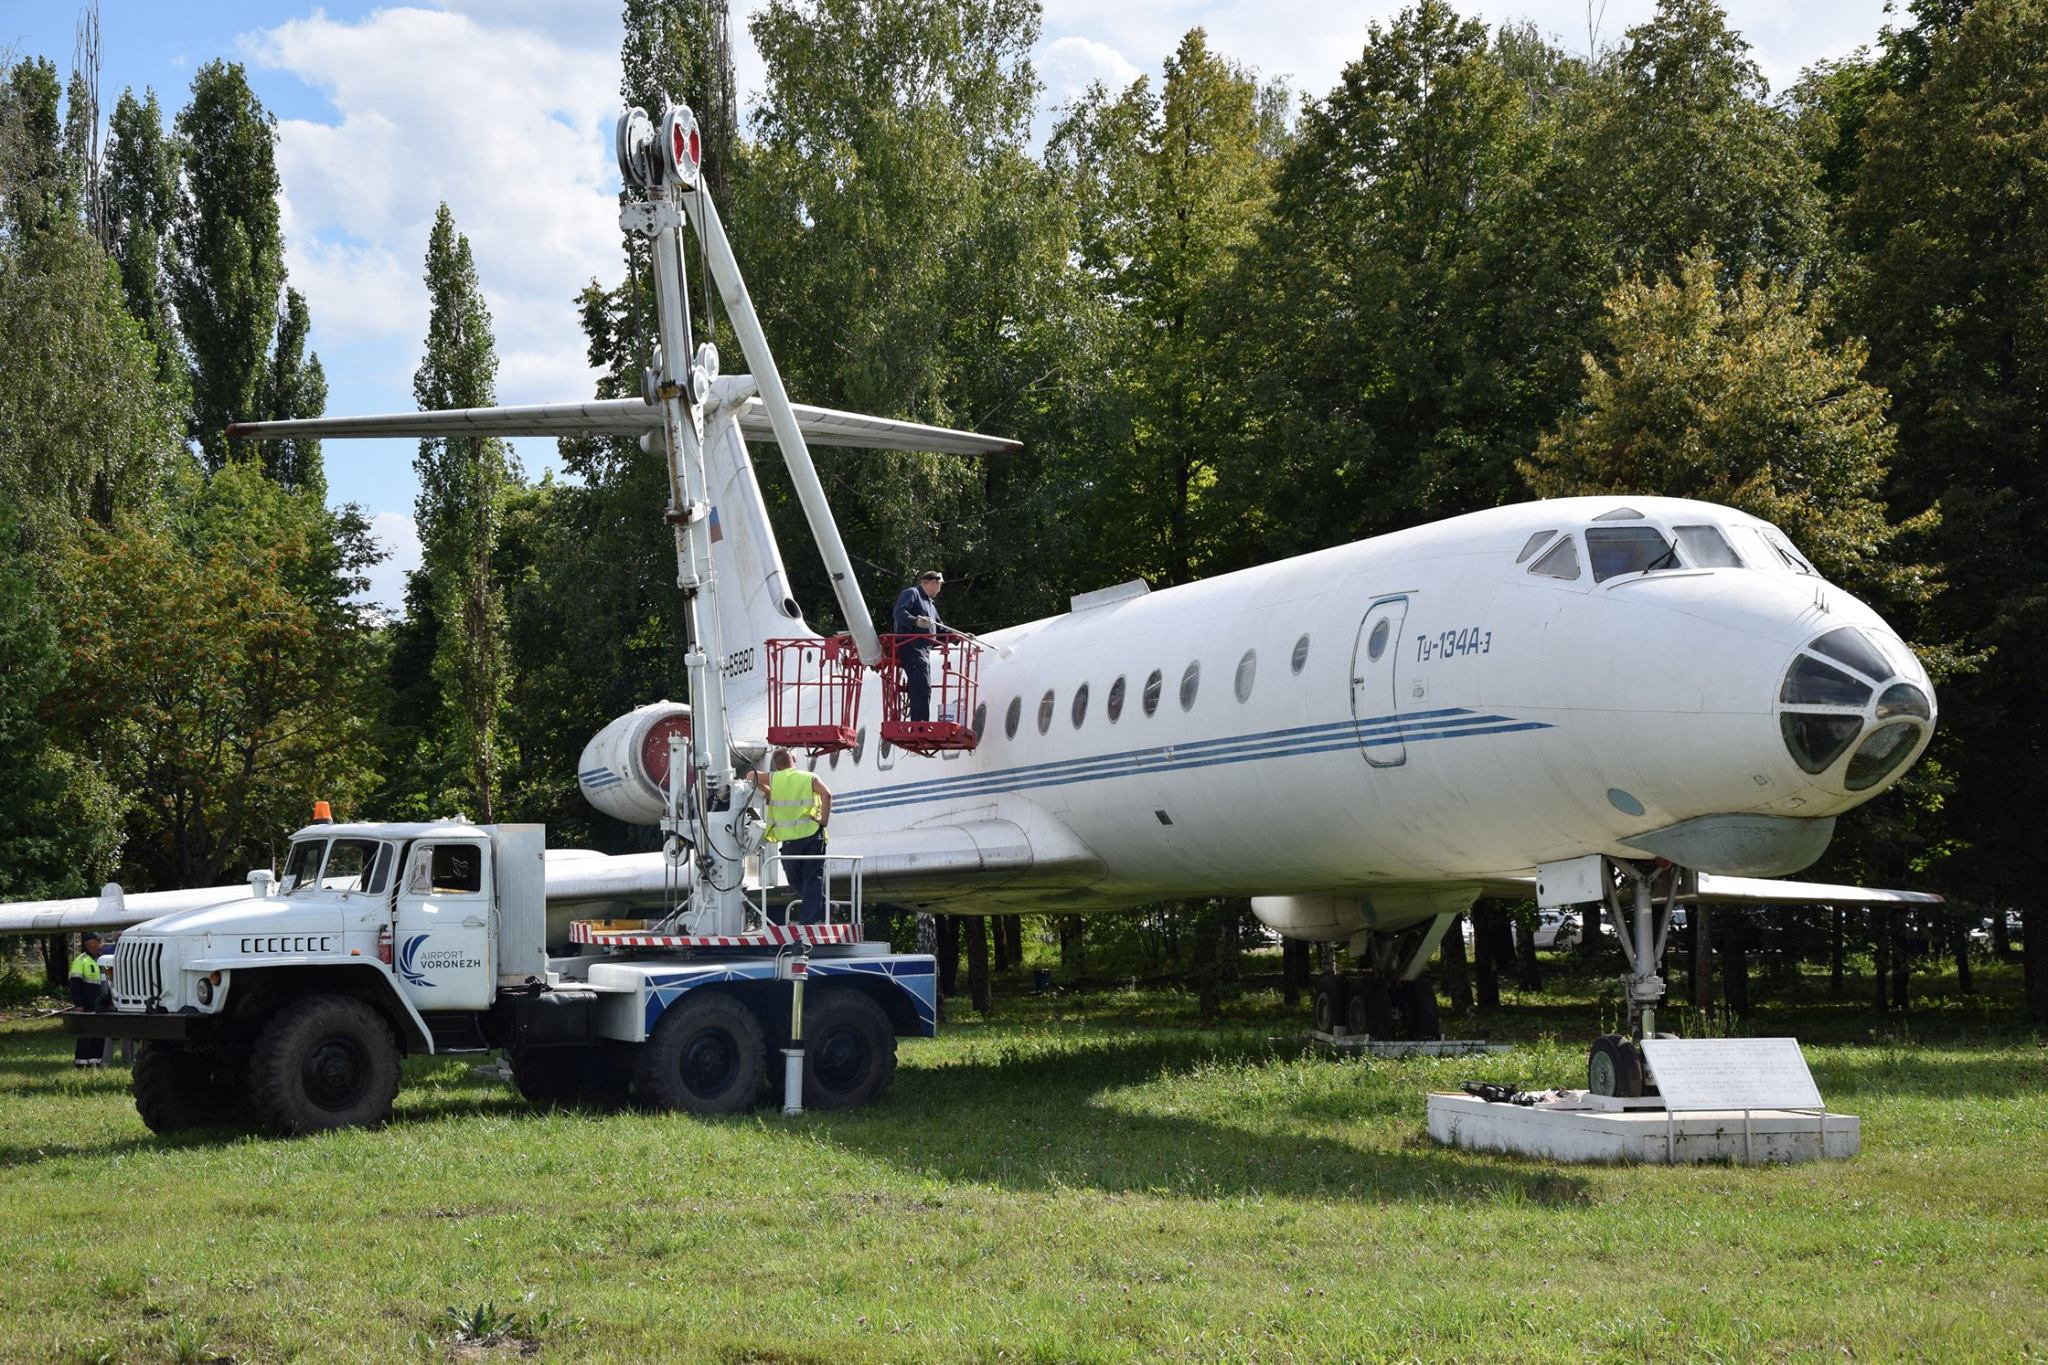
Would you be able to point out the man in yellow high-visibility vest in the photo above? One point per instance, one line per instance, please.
(86, 977)
(799, 808)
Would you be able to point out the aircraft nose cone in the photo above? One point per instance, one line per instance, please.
(1854, 708)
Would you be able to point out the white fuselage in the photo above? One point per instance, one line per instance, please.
(1504, 719)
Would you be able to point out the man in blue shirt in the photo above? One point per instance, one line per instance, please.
(917, 613)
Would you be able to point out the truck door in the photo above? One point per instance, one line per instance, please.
(444, 948)
(1373, 685)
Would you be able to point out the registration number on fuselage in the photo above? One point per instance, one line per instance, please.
(1453, 644)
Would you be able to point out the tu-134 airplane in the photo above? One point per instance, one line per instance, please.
(1642, 700)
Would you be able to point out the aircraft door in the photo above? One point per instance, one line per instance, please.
(444, 946)
(1374, 686)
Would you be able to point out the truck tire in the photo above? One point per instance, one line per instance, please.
(328, 1061)
(849, 1050)
(707, 1055)
(176, 1091)
(551, 1077)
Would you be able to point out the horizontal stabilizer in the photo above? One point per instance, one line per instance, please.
(630, 417)
(1771, 891)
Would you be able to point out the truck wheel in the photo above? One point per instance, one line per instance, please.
(328, 1061)
(706, 1056)
(548, 1077)
(176, 1091)
(849, 1050)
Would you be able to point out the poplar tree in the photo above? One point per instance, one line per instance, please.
(142, 204)
(228, 258)
(295, 387)
(463, 482)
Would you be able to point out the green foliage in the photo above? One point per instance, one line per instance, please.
(1168, 190)
(38, 190)
(228, 251)
(295, 387)
(1736, 396)
(142, 204)
(86, 427)
(217, 673)
(460, 512)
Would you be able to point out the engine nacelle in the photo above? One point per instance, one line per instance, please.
(624, 768)
(1323, 917)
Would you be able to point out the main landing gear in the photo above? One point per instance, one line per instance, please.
(1614, 1066)
(1388, 997)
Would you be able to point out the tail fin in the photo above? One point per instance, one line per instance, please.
(755, 602)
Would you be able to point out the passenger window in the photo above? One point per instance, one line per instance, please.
(1707, 548)
(1617, 550)
(980, 720)
(1300, 659)
(1247, 673)
(1016, 713)
(1190, 683)
(1115, 704)
(1535, 543)
(1376, 644)
(1561, 562)
(1080, 710)
(1152, 685)
(1045, 712)
(860, 743)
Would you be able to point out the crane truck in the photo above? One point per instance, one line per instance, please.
(296, 1002)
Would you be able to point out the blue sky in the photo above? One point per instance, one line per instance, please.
(503, 108)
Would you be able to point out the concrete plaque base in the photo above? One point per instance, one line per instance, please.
(1586, 1128)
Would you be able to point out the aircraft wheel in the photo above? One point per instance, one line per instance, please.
(1328, 1003)
(849, 1050)
(1370, 1011)
(176, 1090)
(705, 1056)
(1614, 1067)
(1419, 1018)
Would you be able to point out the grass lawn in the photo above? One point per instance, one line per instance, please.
(1094, 1178)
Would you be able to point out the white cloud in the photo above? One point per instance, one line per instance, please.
(400, 536)
(1071, 64)
(507, 125)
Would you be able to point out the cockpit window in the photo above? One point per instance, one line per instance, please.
(1813, 683)
(1620, 514)
(302, 866)
(1535, 543)
(1817, 741)
(1849, 645)
(1706, 548)
(1792, 557)
(1627, 549)
(1561, 562)
(1879, 755)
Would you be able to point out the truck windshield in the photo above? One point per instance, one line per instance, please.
(302, 867)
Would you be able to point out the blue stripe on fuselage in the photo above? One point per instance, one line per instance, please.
(1377, 731)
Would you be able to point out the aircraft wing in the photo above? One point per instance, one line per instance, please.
(631, 417)
(111, 909)
(1770, 891)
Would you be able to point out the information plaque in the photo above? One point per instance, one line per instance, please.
(1731, 1073)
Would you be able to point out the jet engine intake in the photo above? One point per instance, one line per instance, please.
(624, 768)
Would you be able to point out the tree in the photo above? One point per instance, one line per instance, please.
(38, 190)
(1950, 284)
(1404, 327)
(1736, 396)
(142, 204)
(460, 511)
(217, 673)
(295, 387)
(86, 428)
(60, 823)
(1168, 189)
(228, 257)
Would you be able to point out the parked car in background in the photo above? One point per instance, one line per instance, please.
(1556, 929)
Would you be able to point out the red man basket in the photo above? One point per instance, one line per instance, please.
(813, 693)
(952, 664)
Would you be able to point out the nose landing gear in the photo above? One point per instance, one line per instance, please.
(1614, 1066)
